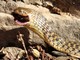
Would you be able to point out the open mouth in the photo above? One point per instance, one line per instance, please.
(21, 20)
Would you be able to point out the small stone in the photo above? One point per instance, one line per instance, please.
(36, 53)
(59, 53)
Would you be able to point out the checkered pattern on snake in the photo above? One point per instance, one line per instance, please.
(40, 26)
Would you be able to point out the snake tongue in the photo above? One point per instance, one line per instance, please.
(20, 23)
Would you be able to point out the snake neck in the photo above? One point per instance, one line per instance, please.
(37, 24)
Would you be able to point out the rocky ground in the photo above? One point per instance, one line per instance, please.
(19, 43)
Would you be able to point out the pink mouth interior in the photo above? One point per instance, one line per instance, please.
(20, 23)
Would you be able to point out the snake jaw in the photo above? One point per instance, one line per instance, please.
(19, 23)
(20, 19)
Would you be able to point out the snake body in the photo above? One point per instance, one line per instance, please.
(36, 22)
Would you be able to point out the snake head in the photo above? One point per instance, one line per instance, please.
(21, 15)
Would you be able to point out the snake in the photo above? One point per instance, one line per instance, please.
(36, 22)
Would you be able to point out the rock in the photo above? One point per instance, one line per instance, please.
(35, 2)
(2, 5)
(7, 22)
(13, 53)
(10, 6)
(35, 39)
(36, 53)
(57, 53)
(66, 58)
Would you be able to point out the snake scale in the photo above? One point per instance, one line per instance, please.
(36, 22)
